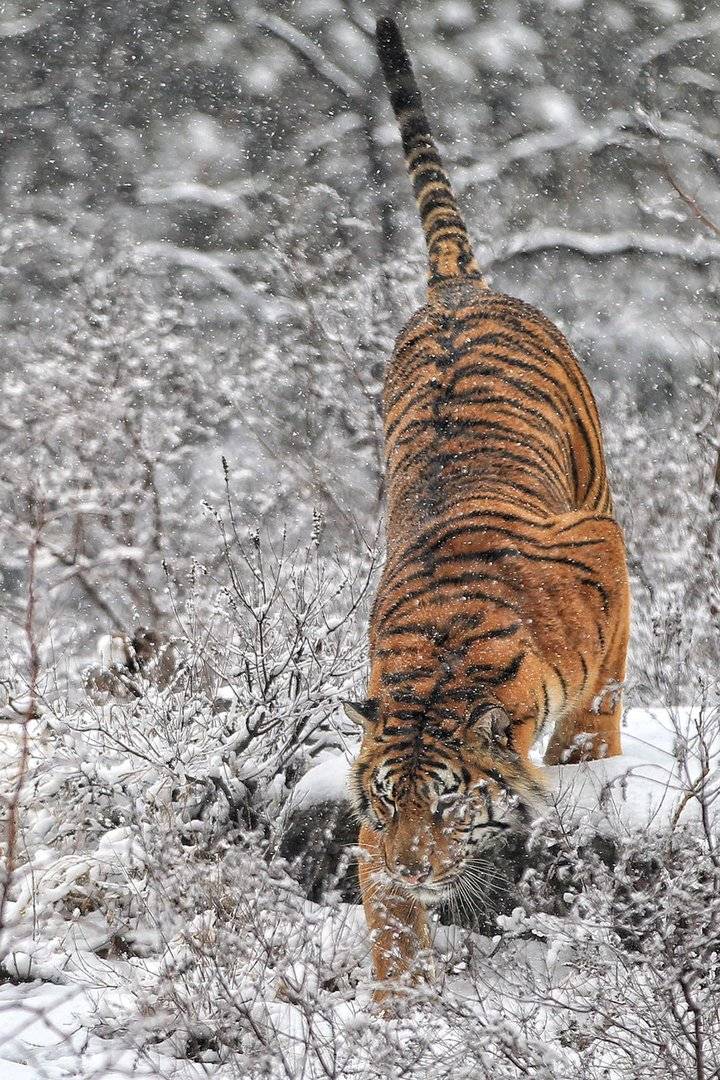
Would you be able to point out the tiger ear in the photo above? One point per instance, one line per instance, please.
(493, 722)
(363, 713)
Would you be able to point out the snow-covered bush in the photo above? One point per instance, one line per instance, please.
(254, 701)
(150, 884)
(102, 416)
(665, 468)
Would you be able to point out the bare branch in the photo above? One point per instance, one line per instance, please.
(30, 711)
(671, 38)
(312, 55)
(699, 250)
(622, 129)
(688, 199)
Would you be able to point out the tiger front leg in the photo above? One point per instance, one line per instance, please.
(397, 922)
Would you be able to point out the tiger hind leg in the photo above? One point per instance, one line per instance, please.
(593, 731)
(586, 735)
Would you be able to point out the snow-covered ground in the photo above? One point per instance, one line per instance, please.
(96, 956)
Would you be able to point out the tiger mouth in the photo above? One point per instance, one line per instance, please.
(429, 894)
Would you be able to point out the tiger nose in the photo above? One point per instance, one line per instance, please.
(414, 873)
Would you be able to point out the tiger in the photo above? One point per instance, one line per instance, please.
(502, 610)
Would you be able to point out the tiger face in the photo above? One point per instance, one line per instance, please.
(438, 809)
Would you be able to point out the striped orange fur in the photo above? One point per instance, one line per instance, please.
(503, 607)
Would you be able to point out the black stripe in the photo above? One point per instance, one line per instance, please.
(479, 453)
(392, 731)
(512, 409)
(403, 485)
(570, 370)
(428, 630)
(499, 632)
(507, 673)
(411, 373)
(416, 402)
(445, 228)
(434, 199)
(600, 589)
(359, 770)
(494, 366)
(490, 555)
(503, 488)
(466, 694)
(396, 678)
(402, 714)
(422, 175)
(522, 438)
(563, 683)
(427, 156)
(497, 777)
(430, 541)
(440, 593)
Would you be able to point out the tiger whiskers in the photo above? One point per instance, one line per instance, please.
(463, 900)
(482, 881)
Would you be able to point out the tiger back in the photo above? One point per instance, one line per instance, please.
(503, 606)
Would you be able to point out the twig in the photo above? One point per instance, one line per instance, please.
(696, 1041)
(312, 56)
(688, 199)
(11, 826)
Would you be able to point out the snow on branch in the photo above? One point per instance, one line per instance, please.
(210, 265)
(677, 131)
(24, 24)
(529, 146)
(217, 198)
(700, 250)
(675, 35)
(621, 130)
(312, 55)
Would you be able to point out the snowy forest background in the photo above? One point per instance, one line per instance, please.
(207, 246)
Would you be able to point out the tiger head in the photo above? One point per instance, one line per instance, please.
(438, 799)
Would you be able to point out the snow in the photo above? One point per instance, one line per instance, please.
(208, 245)
(644, 785)
(325, 782)
(505, 46)
(44, 1035)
